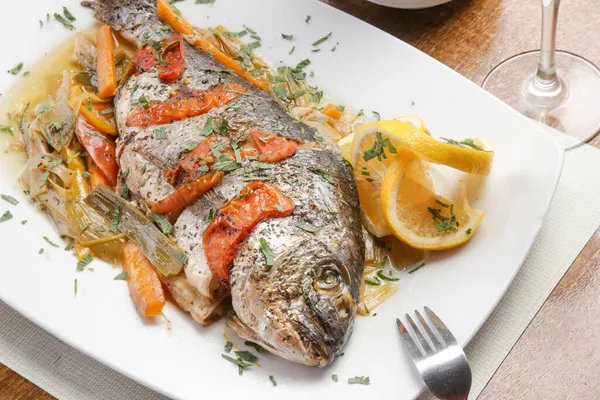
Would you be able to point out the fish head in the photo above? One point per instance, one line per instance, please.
(302, 307)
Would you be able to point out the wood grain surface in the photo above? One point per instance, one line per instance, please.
(558, 356)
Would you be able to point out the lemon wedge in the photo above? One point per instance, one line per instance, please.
(418, 216)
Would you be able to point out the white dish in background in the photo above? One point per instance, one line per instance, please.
(410, 4)
(369, 69)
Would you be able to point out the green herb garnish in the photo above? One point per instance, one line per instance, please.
(6, 216)
(360, 380)
(208, 128)
(292, 50)
(115, 218)
(324, 38)
(228, 347)
(246, 356)
(255, 346)
(375, 282)
(307, 20)
(334, 378)
(462, 143)
(64, 21)
(417, 268)
(164, 223)
(121, 277)
(6, 129)
(84, 262)
(16, 69)
(386, 278)
(107, 111)
(75, 287)
(324, 174)
(377, 115)
(205, 1)
(161, 134)
(468, 231)
(267, 251)
(10, 199)
(442, 223)
(308, 227)
(143, 101)
(49, 241)
(287, 37)
(272, 380)
(378, 149)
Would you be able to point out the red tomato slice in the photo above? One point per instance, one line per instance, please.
(180, 107)
(173, 59)
(188, 193)
(233, 223)
(273, 148)
(100, 148)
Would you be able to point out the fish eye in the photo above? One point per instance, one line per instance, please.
(328, 279)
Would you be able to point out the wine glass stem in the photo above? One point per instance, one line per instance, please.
(546, 78)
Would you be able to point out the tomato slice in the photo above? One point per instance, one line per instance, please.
(233, 223)
(172, 64)
(169, 60)
(181, 106)
(100, 148)
(271, 147)
(188, 193)
(189, 165)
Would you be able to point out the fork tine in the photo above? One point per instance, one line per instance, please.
(432, 336)
(410, 344)
(419, 335)
(440, 327)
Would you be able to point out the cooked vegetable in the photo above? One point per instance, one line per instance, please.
(162, 252)
(56, 122)
(168, 58)
(144, 286)
(188, 192)
(105, 58)
(236, 219)
(273, 148)
(97, 177)
(332, 112)
(172, 18)
(100, 148)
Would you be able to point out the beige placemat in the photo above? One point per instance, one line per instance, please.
(68, 374)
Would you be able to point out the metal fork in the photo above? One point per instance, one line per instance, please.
(440, 360)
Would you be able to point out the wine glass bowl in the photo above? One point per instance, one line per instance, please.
(556, 88)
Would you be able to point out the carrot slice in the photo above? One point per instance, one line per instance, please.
(144, 285)
(168, 15)
(332, 112)
(105, 56)
(96, 175)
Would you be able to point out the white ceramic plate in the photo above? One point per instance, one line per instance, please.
(370, 69)
(411, 4)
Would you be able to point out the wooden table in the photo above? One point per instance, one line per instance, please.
(558, 356)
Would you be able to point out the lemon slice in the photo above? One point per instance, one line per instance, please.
(465, 155)
(418, 216)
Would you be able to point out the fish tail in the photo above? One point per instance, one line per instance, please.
(128, 17)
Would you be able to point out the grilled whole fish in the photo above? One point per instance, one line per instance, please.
(301, 307)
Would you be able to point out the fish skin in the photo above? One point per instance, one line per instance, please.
(302, 308)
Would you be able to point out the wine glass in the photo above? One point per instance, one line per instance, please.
(557, 88)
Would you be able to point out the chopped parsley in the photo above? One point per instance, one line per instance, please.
(386, 278)
(115, 219)
(107, 111)
(86, 174)
(378, 149)
(42, 108)
(443, 223)
(161, 134)
(308, 227)
(41, 250)
(287, 37)
(468, 231)
(307, 20)
(377, 115)
(292, 50)
(466, 142)
(183, 258)
(84, 262)
(121, 277)
(334, 377)
(324, 38)
(16, 69)
(68, 14)
(6, 216)
(205, 1)
(272, 380)
(24, 222)
(360, 380)
(334, 48)
(242, 365)
(143, 101)
(255, 346)
(224, 127)
(49, 241)
(267, 251)
(208, 128)
(373, 282)
(416, 269)
(64, 21)
(164, 223)
(75, 287)
(228, 347)
(324, 174)
(246, 356)
(10, 199)
(6, 129)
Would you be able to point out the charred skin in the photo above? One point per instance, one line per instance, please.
(302, 308)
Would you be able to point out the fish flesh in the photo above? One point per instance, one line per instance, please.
(301, 303)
